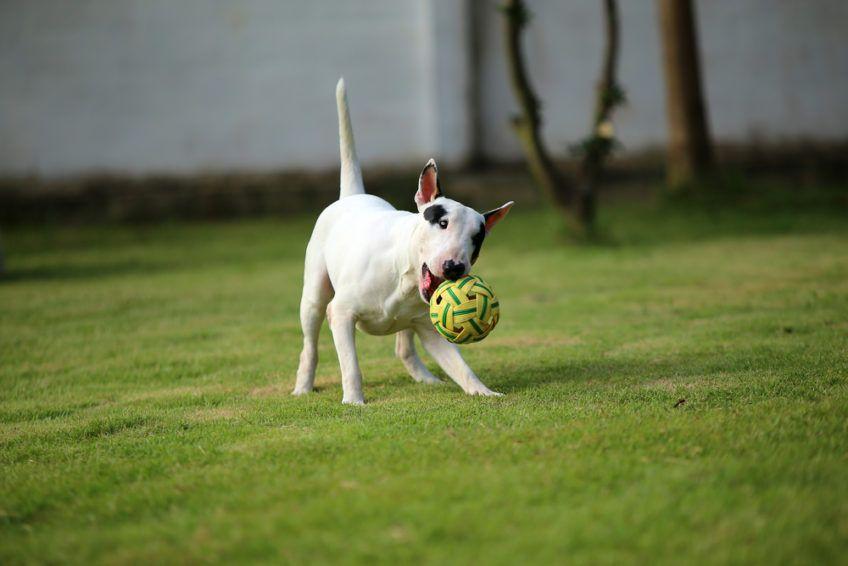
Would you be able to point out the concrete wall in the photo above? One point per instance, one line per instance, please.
(144, 86)
(774, 70)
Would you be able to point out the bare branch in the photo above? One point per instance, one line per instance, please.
(577, 203)
(527, 125)
(601, 140)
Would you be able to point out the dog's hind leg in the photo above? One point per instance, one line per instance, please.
(405, 350)
(343, 324)
(449, 359)
(317, 293)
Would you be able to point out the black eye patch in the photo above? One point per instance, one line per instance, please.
(477, 242)
(434, 213)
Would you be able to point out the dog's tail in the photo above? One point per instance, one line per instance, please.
(351, 177)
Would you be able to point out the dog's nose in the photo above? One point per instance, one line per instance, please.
(453, 270)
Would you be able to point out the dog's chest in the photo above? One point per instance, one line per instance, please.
(397, 313)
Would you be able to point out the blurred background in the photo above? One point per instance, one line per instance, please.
(131, 109)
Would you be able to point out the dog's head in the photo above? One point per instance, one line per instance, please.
(451, 233)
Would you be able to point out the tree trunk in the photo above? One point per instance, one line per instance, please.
(689, 150)
(527, 125)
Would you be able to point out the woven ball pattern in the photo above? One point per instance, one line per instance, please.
(465, 310)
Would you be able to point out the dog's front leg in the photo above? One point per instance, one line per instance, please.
(450, 360)
(343, 326)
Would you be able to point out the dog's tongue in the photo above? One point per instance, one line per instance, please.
(431, 282)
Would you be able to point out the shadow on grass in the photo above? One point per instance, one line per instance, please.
(601, 372)
(71, 271)
(727, 206)
(581, 372)
(674, 370)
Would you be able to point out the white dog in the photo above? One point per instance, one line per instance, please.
(372, 267)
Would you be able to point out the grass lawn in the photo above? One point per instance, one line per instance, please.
(145, 414)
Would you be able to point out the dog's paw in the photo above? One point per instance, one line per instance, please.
(357, 401)
(428, 379)
(485, 392)
(298, 391)
(490, 393)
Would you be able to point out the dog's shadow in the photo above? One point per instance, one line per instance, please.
(508, 380)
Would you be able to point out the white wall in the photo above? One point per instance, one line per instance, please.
(141, 85)
(775, 70)
(144, 86)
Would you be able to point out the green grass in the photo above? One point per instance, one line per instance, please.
(145, 415)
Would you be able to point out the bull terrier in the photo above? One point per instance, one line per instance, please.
(372, 267)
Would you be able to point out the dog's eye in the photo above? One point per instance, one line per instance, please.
(443, 224)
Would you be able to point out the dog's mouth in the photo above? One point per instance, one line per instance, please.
(429, 283)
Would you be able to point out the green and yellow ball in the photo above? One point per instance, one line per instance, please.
(465, 310)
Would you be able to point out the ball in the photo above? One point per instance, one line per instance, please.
(465, 310)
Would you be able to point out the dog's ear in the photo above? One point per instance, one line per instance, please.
(494, 216)
(428, 185)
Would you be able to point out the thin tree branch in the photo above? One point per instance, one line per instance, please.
(608, 90)
(600, 142)
(527, 124)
